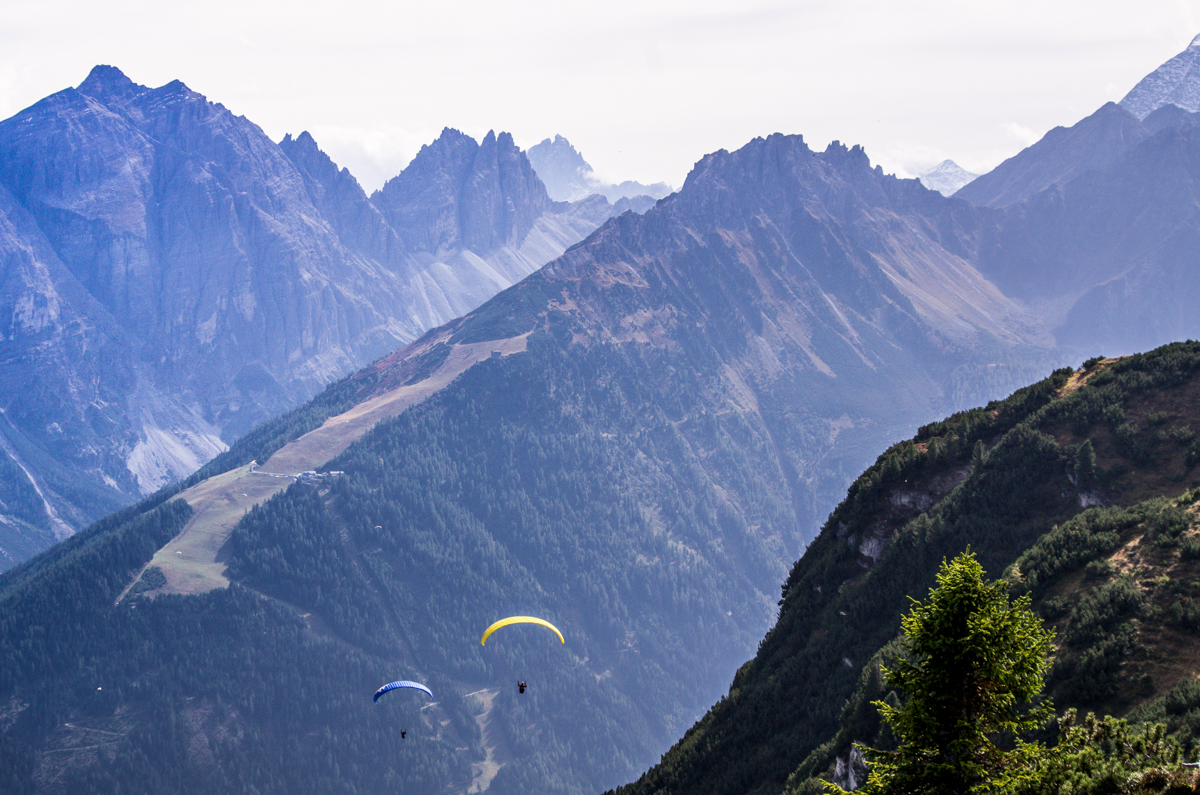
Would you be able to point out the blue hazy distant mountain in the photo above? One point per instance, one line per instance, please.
(946, 177)
(1061, 155)
(175, 277)
(568, 177)
(1168, 97)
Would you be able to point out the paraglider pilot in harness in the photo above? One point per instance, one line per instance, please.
(521, 686)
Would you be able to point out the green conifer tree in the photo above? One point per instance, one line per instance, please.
(972, 664)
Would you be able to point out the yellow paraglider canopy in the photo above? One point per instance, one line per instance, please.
(504, 622)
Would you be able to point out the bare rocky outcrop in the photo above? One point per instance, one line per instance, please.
(850, 771)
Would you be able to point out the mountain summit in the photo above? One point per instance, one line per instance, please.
(174, 277)
(1177, 82)
(947, 177)
(568, 177)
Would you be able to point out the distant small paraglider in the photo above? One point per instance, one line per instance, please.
(521, 686)
(403, 683)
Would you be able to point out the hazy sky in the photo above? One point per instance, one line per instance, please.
(643, 88)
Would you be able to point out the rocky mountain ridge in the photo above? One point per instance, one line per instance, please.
(1167, 97)
(175, 277)
(1176, 82)
(1094, 143)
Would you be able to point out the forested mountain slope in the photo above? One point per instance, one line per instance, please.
(1084, 484)
(677, 400)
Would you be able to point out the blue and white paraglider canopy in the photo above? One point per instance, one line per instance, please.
(401, 683)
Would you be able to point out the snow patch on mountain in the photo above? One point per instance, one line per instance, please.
(946, 177)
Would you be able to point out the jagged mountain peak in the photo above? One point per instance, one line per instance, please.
(449, 136)
(1176, 82)
(218, 276)
(107, 84)
(178, 87)
(837, 147)
(568, 177)
(562, 144)
(777, 172)
(450, 152)
(304, 150)
(559, 160)
(480, 185)
(304, 142)
(723, 161)
(105, 80)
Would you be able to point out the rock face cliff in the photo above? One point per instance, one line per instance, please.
(173, 277)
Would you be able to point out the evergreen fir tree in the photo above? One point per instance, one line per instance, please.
(973, 661)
